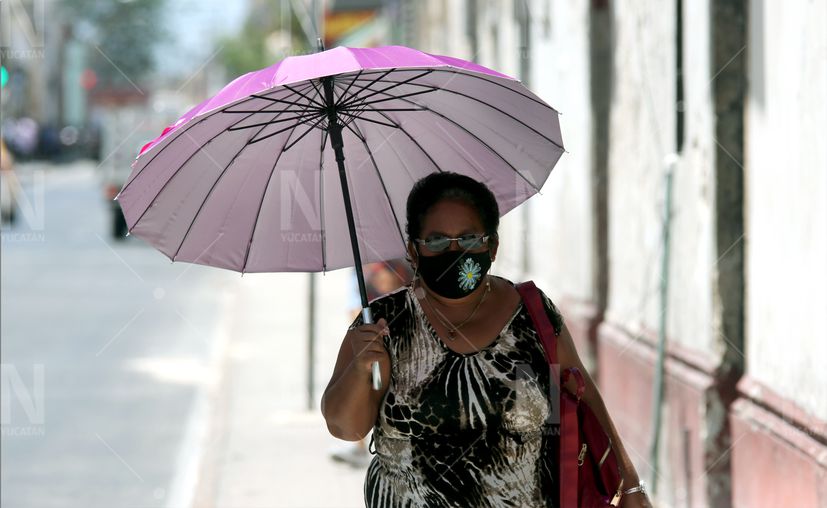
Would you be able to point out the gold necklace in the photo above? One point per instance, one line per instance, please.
(452, 329)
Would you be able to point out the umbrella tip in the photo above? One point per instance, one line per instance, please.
(319, 44)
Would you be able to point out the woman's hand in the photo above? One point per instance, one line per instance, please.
(367, 344)
(349, 405)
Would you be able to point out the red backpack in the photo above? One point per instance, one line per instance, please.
(589, 471)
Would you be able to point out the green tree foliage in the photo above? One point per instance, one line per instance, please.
(249, 49)
(127, 34)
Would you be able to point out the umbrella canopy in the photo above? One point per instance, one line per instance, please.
(248, 180)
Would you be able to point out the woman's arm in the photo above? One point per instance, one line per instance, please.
(568, 357)
(349, 404)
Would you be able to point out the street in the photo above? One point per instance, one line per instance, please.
(113, 358)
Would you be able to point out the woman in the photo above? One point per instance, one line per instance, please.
(460, 418)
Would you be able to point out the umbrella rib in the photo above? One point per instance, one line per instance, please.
(356, 111)
(447, 90)
(304, 134)
(345, 120)
(362, 101)
(209, 193)
(478, 139)
(270, 135)
(360, 117)
(263, 196)
(235, 126)
(184, 129)
(318, 92)
(351, 115)
(281, 100)
(353, 131)
(272, 122)
(321, 105)
(355, 97)
(344, 94)
(487, 146)
(345, 99)
(399, 126)
(361, 105)
(303, 110)
(177, 171)
(273, 99)
(415, 142)
(381, 181)
(391, 98)
(474, 75)
(394, 109)
(321, 199)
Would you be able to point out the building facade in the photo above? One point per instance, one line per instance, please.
(688, 211)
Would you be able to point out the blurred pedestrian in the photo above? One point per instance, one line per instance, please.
(8, 185)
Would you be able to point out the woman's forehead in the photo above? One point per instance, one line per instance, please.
(451, 217)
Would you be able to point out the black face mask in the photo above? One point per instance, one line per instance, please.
(454, 274)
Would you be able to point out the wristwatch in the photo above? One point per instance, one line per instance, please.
(640, 487)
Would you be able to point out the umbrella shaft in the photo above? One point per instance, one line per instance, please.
(351, 226)
(335, 130)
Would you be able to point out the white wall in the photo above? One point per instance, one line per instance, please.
(692, 243)
(786, 157)
(642, 134)
(643, 130)
(562, 225)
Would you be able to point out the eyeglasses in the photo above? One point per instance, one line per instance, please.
(466, 242)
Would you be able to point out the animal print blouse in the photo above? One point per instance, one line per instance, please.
(464, 430)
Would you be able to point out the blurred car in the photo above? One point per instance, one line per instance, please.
(8, 186)
(123, 131)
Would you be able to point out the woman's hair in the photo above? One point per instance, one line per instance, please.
(448, 185)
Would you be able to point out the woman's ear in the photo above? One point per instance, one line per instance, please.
(412, 254)
(495, 243)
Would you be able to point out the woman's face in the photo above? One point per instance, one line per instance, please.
(453, 219)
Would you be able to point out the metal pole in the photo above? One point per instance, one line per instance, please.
(335, 130)
(657, 399)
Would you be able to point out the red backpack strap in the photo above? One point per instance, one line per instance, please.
(531, 299)
(569, 428)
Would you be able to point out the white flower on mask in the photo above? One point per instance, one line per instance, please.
(469, 274)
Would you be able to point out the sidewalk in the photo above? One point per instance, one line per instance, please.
(263, 448)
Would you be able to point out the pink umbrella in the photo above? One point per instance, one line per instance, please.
(244, 181)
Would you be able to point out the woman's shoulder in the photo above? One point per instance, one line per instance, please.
(391, 300)
(553, 312)
(387, 306)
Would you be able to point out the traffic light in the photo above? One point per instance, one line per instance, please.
(4, 76)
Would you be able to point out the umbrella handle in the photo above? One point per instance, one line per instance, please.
(376, 374)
